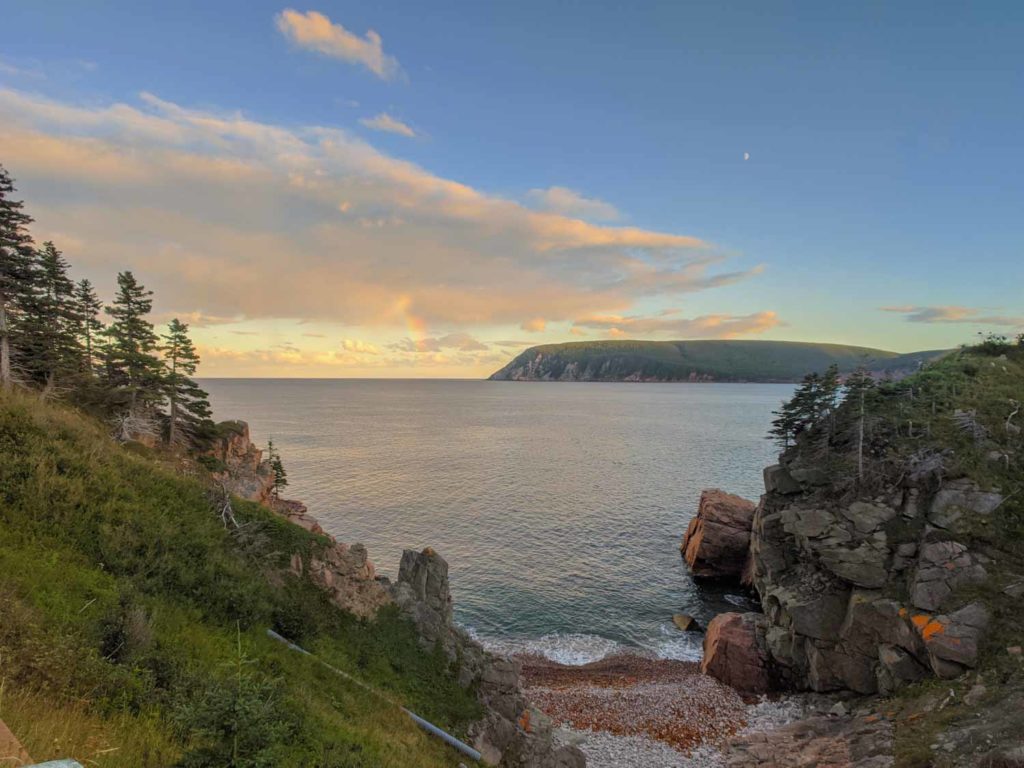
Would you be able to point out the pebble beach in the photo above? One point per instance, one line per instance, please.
(630, 711)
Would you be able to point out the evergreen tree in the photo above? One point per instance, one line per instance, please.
(50, 323)
(16, 272)
(280, 476)
(131, 363)
(89, 326)
(189, 404)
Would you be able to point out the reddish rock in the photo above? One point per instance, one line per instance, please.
(717, 542)
(734, 652)
(11, 749)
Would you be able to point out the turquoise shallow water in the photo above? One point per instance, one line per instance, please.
(559, 507)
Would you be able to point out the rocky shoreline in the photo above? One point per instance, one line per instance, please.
(862, 598)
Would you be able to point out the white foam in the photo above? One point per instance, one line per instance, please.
(562, 648)
(678, 646)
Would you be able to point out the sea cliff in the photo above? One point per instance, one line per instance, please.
(888, 563)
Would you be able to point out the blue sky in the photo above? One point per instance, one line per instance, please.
(885, 170)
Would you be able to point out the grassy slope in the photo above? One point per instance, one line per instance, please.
(132, 624)
(732, 360)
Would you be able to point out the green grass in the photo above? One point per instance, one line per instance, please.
(133, 629)
(731, 360)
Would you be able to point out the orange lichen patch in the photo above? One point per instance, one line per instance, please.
(933, 628)
(903, 613)
(524, 720)
(871, 719)
(921, 620)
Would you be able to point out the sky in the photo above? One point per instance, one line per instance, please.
(410, 189)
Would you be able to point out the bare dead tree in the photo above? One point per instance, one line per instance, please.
(220, 500)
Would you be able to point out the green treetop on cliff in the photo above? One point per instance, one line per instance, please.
(189, 404)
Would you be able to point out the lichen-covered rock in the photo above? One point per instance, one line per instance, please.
(828, 575)
(512, 733)
(735, 652)
(718, 538)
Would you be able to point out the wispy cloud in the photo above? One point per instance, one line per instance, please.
(387, 123)
(362, 347)
(953, 314)
(669, 322)
(316, 32)
(534, 325)
(568, 202)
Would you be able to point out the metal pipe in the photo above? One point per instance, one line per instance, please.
(426, 725)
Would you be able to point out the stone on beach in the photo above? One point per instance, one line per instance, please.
(735, 653)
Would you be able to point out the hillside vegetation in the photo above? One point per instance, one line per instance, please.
(132, 622)
(713, 360)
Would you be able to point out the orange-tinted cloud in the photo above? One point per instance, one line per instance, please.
(668, 322)
(316, 32)
(388, 124)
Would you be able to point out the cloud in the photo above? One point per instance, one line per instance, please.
(362, 347)
(232, 219)
(385, 122)
(315, 32)
(568, 202)
(460, 341)
(534, 325)
(953, 314)
(668, 322)
(514, 343)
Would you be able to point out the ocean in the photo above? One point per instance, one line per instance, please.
(559, 507)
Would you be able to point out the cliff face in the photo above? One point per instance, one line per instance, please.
(239, 464)
(870, 594)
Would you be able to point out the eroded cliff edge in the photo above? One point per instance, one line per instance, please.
(512, 733)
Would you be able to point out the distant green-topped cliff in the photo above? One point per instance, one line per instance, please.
(665, 361)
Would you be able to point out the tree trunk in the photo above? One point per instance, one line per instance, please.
(860, 441)
(5, 346)
(172, 430)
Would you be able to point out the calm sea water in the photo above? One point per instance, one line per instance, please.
(559, 507)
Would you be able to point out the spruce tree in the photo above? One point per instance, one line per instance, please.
(88, 307)
(189, 404)
(50, 323)
(16, 273)
(131, 363)
(276, 465)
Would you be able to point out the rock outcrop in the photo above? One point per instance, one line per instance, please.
(858, 595)
(513, 733)
(241, 468)
(717, 542)
(346, 574)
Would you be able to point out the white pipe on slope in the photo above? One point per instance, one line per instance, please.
(424, 724)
